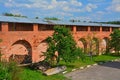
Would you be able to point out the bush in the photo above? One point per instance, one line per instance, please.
(79, 52)
(9, 71)
(63, 43)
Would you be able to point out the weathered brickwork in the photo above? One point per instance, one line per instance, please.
(30, 43)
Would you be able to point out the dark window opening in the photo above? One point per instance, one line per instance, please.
(82, 28)
(20, 27)
(105, 29)
(70, 27)
(94, 28)
(115, 28)
(45, 27)
(0, 27)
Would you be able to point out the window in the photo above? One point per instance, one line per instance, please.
(45, 27)
(20, 27)
(82, 28)
(0, 27)
(94, 28)
(70, 27)
(106, 29)
(114, 28)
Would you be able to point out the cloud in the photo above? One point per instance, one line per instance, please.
(76, 3)
(115, 6)
(96, 1)
(45, 4)
(56, 8)
(90, 7)
(61, 5)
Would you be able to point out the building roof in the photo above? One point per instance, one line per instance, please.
(82, 23)
(53, 22)
(21, 20)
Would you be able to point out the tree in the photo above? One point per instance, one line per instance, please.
(37, 17)
(115, 41)
(63, 43)
(93, 44)
(52, 18)
(15, 15)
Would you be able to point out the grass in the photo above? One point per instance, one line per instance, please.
(28, 74)
(96, 59)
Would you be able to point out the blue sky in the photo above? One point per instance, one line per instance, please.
(84, 10)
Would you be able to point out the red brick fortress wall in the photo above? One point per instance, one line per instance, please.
(28, 40)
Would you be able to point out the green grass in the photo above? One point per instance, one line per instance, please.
(28, 74)
(96, 59)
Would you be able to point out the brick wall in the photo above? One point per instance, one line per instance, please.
(36, 38)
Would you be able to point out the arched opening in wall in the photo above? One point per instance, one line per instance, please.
(95, 46)
(105, 45)
(21, 52)
(42, 48)
(83, 44)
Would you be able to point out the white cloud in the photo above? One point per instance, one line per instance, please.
(115, 6)
(60, 8)
(45, 4)
(10, 0)
(90, 6)
(97, 1)
(76, 3)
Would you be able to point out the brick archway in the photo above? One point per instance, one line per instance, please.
(95, 46)
(104, 45)
(83, 44)
(42, 48)
(21, 52)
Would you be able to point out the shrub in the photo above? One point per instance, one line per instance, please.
(9, 71)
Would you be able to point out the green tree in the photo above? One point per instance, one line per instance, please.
(115, 41)
(93, 44)
(63, 43)
(52, 18)
(15, 15)
(37, 17)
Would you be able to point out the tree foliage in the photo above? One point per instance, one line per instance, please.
(52, 18)
(93, 44)
(113, 22)
(63, 43)
(15, 15)
(115, 40)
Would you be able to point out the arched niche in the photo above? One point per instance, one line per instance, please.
(83, 44)
(21, 52)
(94, 46)
(104, 45)
(42, 48)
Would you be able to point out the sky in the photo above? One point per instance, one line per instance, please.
(83, 10)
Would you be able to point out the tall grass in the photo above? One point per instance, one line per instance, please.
(9, 71)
